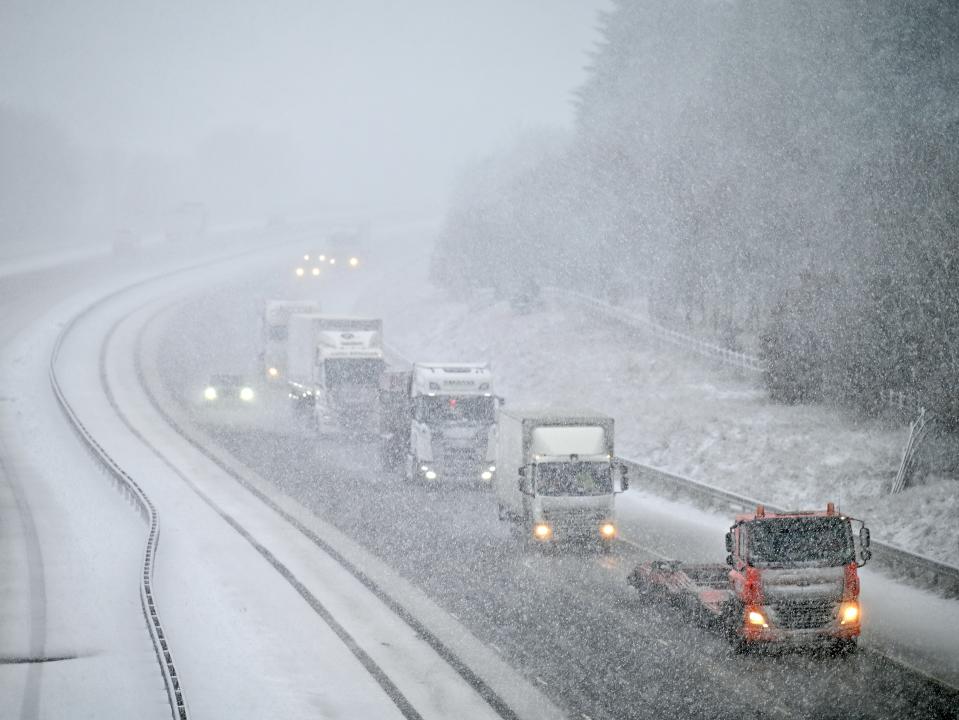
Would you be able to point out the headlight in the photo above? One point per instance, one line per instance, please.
(430, 474)
(315, 271)
(210, 393)
(246, 394)
(849, 613)
(354, 262)
(607, 530)
(332, 261)
(299, 272)
(322, 258)
(542, 531)
(306, 257)
(492, 468)
(272, 372)
(486, 475)
(757, 618)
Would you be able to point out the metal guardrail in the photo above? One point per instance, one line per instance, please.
(148, 511)
(741, 361)
(132, 489)
(924, 571)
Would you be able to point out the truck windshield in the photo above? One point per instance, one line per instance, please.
(445, 409)
(573, 478)
(353, 371)
(820, 541)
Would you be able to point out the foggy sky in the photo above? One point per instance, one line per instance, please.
(362, 102)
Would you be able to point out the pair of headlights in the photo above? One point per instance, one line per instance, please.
(848, 614)
(300, 272)
(246, 394)
(543, 531)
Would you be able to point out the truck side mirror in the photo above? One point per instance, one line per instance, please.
(623, 485)
(865, 554)
(864, 539)
(729, 543)
(729, 560)
(525, 486)
(521, 471)
(501, 400)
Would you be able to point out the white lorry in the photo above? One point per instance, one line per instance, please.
(334, 366)
(556, 476)
(274, 334)
(452, 418)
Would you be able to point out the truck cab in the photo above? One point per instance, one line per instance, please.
(790, 578)
(794, 576)
(452, 419)
(558, 478)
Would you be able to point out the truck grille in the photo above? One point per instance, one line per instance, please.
(805, 614)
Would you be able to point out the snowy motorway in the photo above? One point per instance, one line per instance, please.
(296, 579)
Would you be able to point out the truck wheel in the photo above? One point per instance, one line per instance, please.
(741, 646)
(845, 648)
(644, 590)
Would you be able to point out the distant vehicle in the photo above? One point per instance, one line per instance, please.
(274, 334)
(556, 476)
(126, 243)
(452, 416)
(789, 579)
(309, 265)
(187, 222)
(276, 222)
(345, 248)
(228, 389)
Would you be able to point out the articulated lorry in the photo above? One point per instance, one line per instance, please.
(789, 578)
(451, 419)
(335, 365)
(556, 475)
(274, 334)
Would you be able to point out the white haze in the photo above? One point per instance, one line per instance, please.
(291, 106)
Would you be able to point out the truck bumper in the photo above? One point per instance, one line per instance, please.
(799, 637)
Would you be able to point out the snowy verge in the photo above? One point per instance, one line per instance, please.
(675, 413)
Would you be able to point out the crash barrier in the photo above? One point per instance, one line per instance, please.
(131, 489)
(738, 360)
(134, 492)
(921, 570)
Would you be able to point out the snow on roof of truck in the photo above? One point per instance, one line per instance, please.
(283, 309)
(454, 367)
(548, 414)
(461, 378)
(341, 322)
(293, 303)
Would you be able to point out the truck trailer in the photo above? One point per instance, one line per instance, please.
(789, 578)
(335, 365)
(274, 334)
(556, 475)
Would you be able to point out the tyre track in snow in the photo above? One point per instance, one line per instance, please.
(491, 696)
(381, 677)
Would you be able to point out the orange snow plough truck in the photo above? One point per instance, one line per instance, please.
(789, 578)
